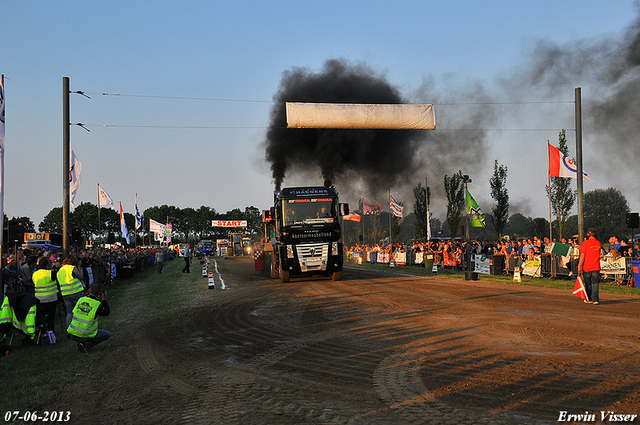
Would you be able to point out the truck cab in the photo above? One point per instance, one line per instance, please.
(305, 231)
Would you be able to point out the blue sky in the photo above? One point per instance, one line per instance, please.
(238, 51)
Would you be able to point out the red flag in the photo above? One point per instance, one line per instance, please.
(561, 165)
(579, 290)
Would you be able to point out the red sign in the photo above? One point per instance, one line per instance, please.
(229, 223)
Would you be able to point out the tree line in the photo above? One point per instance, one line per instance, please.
(188, 224)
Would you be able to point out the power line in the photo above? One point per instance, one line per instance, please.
(521, 102)
(213, 127)
(173, 126)
(220, 99)
(217, 99)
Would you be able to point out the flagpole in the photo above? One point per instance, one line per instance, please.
(363, 240)
(2, 135)
(99, 231)
(549, 194)
(426, 197)
(135, 226)
(390, 242)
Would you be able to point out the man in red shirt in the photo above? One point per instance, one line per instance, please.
(589, 266)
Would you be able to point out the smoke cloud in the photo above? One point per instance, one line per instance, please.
(360, 162)
(377, 157)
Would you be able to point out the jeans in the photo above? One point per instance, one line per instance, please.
(70, 302)
(592, 284)
(187, 263)
(102, 335)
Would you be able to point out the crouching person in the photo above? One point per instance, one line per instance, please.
(84, 324)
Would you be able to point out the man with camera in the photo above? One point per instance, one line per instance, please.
(84, 323)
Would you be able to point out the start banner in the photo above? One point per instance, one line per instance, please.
(229, 223)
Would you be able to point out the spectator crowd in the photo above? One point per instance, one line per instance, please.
(98, 264)
(455, 254)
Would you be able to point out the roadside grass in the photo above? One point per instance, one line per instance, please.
(559, 283)
(32, 375)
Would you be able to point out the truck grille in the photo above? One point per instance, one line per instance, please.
(313, 256)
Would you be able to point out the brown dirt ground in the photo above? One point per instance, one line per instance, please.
(375, 348)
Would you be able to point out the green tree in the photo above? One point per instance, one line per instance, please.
(189, 226)
(109, 221)
(420, 210)
(499, 192)
(27, 224)
(606, 211)
(52, 222)
(254, 221)
(522, 226)
(454, 189)
(541, 226)
(560, 194)
(85, 218)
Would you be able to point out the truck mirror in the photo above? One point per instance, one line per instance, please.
(344, 209)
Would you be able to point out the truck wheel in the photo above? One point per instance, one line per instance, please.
(284, 276)
(274, 267)
(336, 276)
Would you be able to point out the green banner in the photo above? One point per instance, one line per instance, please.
(476, 215)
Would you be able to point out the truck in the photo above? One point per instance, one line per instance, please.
(207, 247)
(247, 246)
(303, 232)
(235, 242)
(221, 247)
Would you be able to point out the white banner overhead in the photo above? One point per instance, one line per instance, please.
(364, 116)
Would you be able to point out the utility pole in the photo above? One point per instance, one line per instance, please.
(467, 224)
(65, 166)
(427, 228)
(579, 163)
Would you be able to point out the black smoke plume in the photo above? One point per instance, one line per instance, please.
(375, 158)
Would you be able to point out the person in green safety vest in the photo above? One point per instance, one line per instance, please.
(70, 280)
(46, 289)
(84, 324)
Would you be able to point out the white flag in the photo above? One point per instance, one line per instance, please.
(395, 207)
(123, 226)
(75, 173)
(105, 199)
(156, 227)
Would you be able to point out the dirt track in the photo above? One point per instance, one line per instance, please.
(375, 348)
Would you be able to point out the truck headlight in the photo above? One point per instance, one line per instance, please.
(289, 251)
(334, 248)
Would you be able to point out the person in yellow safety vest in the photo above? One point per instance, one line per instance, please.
(46, 287)
(84, 324)
(71, 288)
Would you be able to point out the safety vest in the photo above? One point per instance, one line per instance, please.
(84, 323)
(46, 288)
(69, 284)
(28, 325)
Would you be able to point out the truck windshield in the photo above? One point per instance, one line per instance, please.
(308, 211)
